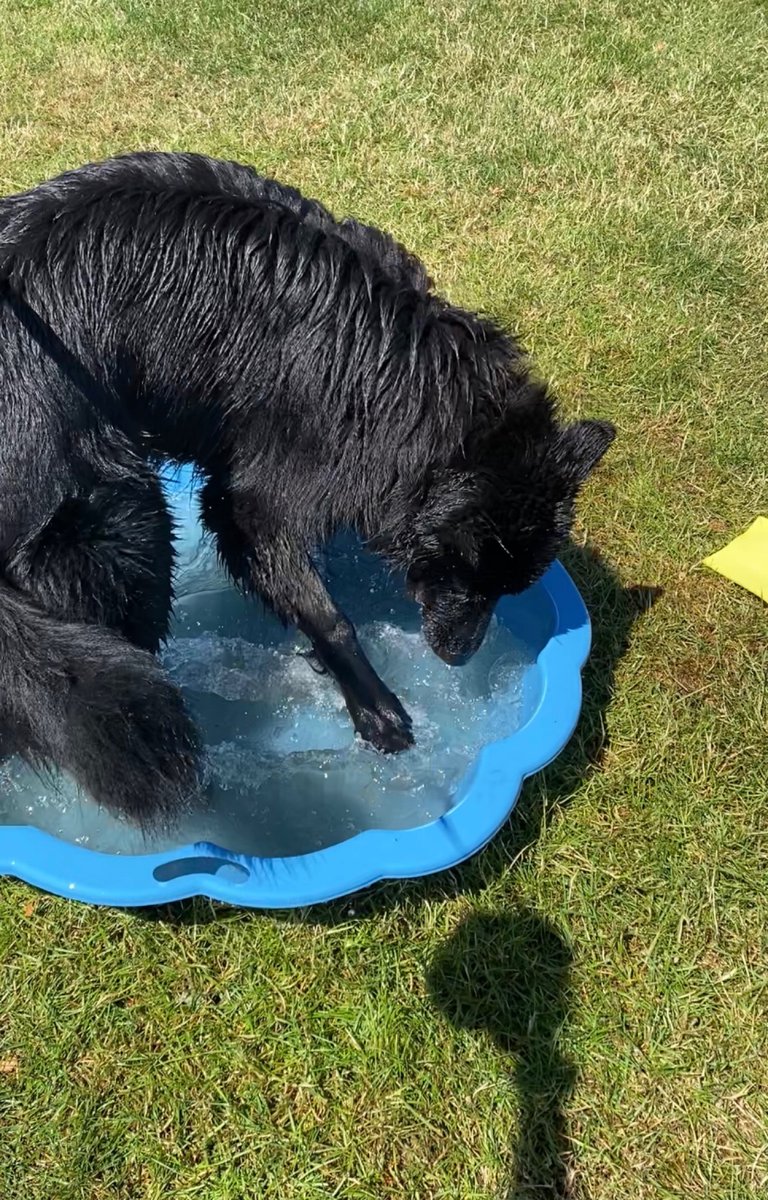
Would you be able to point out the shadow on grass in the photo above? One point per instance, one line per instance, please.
(613, 609)
(508, 977)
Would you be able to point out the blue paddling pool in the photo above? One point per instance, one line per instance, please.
(299, 810)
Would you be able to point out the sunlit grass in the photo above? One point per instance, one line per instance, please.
(581, 1010)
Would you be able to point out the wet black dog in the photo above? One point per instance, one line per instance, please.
(171, 305)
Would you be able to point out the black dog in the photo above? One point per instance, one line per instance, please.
(171, 305)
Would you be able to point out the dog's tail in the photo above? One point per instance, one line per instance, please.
(81, 698)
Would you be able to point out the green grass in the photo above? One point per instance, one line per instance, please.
(580, 1011)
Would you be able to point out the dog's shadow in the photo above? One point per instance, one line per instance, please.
(507, 977)
(613, 609)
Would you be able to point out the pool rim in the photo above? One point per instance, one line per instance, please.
(490, 792)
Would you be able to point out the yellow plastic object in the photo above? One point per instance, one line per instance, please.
(745, 559)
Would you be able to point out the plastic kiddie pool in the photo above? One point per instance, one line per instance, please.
(551, 625)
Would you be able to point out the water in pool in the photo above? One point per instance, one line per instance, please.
(285, 773)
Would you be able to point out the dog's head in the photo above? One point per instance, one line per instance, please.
(492, 525)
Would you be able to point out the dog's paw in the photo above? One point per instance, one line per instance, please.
(387, 728)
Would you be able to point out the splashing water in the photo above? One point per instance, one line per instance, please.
(285, 773)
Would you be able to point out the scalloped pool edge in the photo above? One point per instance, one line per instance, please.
(491, 790)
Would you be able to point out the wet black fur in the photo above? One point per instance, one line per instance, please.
(172, 305)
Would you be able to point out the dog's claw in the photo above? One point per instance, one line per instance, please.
(313, 661)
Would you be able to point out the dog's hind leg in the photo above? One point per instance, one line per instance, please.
(283, 575)
(104, 557)
(85, 594)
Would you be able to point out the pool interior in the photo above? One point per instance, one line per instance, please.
(285, 773)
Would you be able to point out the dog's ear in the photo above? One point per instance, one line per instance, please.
(583, 444)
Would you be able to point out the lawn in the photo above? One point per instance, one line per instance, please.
(581, 1011)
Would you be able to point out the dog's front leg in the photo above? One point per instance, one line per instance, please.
(285, 577)
(280, 570)
(377, 714)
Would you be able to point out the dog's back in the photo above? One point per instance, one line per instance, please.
(26, 216)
